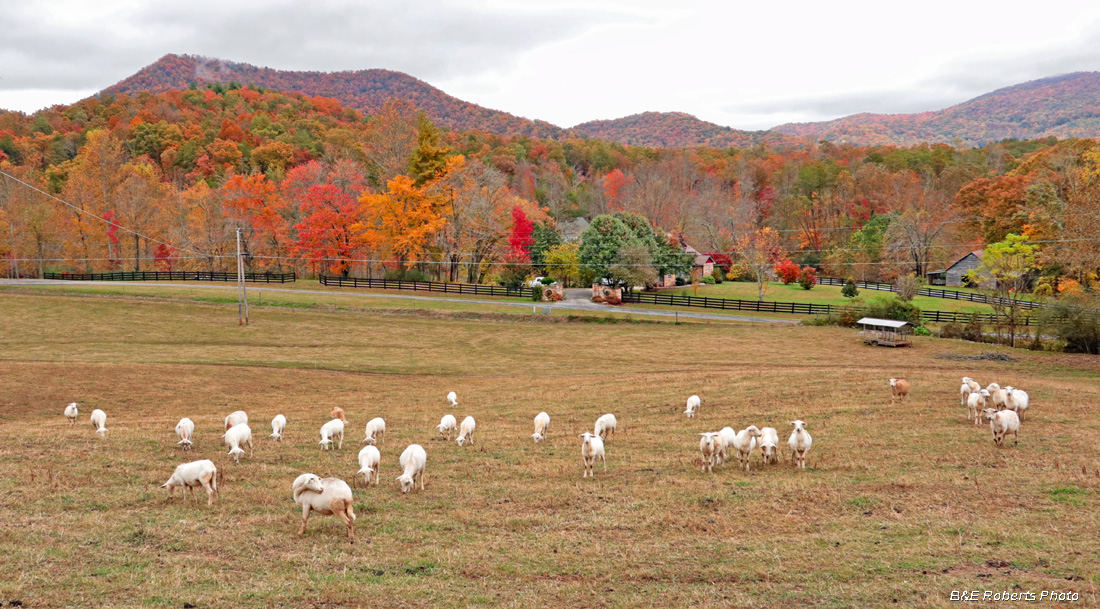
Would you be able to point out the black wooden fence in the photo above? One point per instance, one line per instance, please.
(266, 277)
(794, 308)
(930, 292)
(424, 286)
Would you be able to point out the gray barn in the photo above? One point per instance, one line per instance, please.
(953, 275)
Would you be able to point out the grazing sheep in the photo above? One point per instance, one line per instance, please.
(278, 424)
(333, 430)
(237, 436)
(800, 443)
(997, 395)
(338, 413)
(446, 425)
(606, 426)
(99, 422)
(236, 418)
(1016, 400)
(592, 449)
(769, 445)
(744, 443)
(899, 389)
(975, 403)
(726, 435)
(412, 463)
(326, 496)
(708, 446)
(1001, 423)
(71, 413)
(369, 458)
(185, 429)
(194, 474)
(375, 431)
(466, 431)
(969, 386)
(693, 405)
(452, 397)
(542, 426)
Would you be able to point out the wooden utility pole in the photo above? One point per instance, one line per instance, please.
(242, 297)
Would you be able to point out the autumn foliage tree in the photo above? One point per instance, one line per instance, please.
(758, 253)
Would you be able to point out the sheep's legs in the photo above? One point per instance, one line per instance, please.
(1016, 436)
(305, 518)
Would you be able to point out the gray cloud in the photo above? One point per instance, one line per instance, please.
(430, 40)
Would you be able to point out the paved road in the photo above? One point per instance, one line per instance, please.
(574, 299)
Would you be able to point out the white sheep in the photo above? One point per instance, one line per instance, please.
(592, 449)
(236, 418)
(333, 430)
(237, 436)
(769, 445)
(466, 431)
(195, 474)
(997, 395)
(452, 397)
(369, 458)
(412, 463)
(1001, 423)
(542, 426)
(726, 435)
(446, 425)
(278, 424)
(693, 405)
(99, 422)
(375, 431)
(744, 443)
(71, 413)
(326, 496)
(606, 426)
(975, 404)
(708, 447)
(969, 386)
(799, 443)
(1016, 400)
(185, 429)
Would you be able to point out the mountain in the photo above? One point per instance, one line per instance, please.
(364, 90)
(674, 130)
(1060, 106)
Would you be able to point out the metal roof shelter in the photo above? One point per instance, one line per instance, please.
(886, 332)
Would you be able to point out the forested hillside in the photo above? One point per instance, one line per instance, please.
(1062, 106)
(675, 130)
(318, 186)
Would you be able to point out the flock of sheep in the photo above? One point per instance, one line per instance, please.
(1002, 407)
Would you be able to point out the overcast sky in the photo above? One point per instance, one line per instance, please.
(749, 65)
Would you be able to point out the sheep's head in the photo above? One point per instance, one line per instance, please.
(984, 393)
(989, 413)
(1009, 388)
(102, 431)
(236, 453)
(587, 437)
(406, 483)
(799, 425)
(893, 382)
(307, 482)
(993, 387)
(690, 413)
(967, 379)
(753, 431)
(537, 436)
(325, 442)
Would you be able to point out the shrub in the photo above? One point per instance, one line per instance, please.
(403, 274)
(845, 317)
(513, 276)
(679, 280)
(536, 294)
(718, 275)
(892, 307)
(922, 331)
(807, 278)
(787, 271)
(547, 280)
(907, 286)
(709, 280)
(972, 330)
(849, 290)
(1076, 322)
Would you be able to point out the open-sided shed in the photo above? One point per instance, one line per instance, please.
(886, 332)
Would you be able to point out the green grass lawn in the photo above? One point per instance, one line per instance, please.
(900, 504)
(821, 294)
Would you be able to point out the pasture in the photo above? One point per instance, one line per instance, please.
(899, 504)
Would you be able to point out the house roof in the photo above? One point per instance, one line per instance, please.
(572, 229)
(884, 323)
(700, 258)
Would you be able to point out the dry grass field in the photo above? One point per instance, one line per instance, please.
(899, 505)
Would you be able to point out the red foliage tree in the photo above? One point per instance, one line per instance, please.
(520, 241)
(787, 271)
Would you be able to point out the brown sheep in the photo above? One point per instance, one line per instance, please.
(899, 389)
(338, 413)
